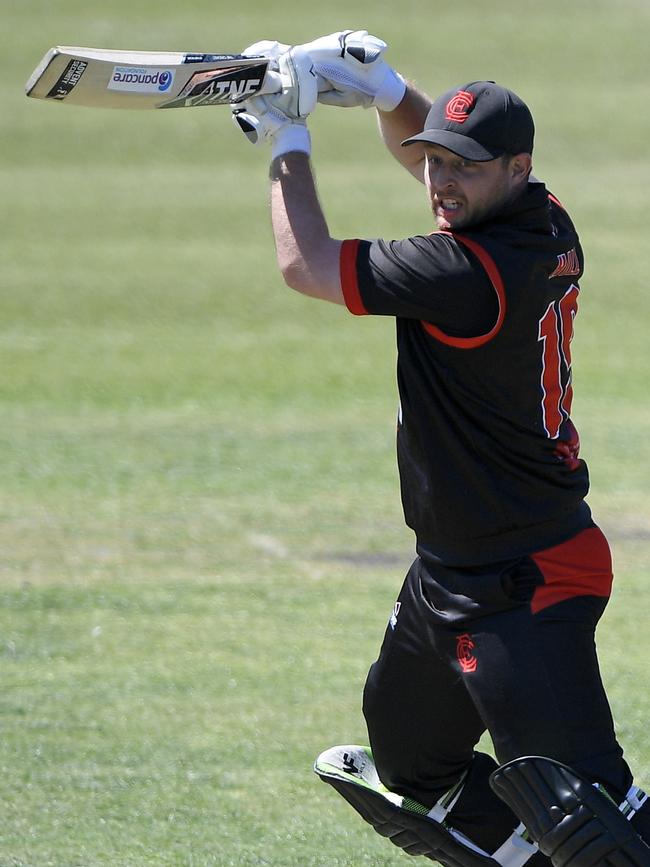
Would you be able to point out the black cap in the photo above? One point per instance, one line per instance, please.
(479, 121)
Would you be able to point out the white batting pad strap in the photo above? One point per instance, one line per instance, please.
(445, 804)
(291, 137)
(516, 851)
(633, 802)
(391, 91)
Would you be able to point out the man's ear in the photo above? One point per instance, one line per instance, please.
(520, 166)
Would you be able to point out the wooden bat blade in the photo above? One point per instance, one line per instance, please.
(103, 78)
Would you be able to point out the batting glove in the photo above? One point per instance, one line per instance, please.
(355, 73)
(263, 122)
(266, 48)
(293, 71)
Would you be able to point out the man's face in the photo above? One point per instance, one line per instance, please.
(463, 192)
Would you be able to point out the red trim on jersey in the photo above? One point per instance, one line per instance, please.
(349, 280)
(582, 566)
(493, 273)
(556, 201)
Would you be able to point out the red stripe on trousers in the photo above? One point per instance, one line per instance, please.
(581, 566)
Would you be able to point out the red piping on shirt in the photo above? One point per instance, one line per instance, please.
(493, 273)
(349, 280)
(354, 302)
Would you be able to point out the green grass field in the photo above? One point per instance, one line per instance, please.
(200, 530)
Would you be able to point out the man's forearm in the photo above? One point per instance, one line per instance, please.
(307, 256)
(406, 120)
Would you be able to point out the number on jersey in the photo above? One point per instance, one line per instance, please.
(555, 333)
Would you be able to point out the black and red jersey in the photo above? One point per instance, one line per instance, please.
(487, 453)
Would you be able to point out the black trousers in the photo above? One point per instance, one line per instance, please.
(508, 648)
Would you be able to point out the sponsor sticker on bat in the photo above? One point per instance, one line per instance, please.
(210, 58)
(70, 78)
(218, 87)
(141, 79)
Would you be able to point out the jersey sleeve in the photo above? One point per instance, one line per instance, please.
(433, 278)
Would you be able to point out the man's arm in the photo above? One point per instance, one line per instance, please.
(307, 256)
(404, 121)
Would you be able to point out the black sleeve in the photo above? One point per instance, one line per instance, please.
(434, 278)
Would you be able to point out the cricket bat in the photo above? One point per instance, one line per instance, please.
(99, 77)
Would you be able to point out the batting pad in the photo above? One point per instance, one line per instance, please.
(406, 823)
(573, 821)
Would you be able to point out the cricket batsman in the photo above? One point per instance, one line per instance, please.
(493, 629)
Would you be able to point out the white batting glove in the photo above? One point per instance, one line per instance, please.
(293, 70)
(351, 63)
(263, 122)
(266, 48)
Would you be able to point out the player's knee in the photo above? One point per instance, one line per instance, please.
(391, 745)
(384, 734)
(374, 699)
(375, 695)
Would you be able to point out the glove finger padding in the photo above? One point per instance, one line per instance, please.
(263, 121)
(293, 70)
(344, 98)
(300, 85)
(259, 119)
(351, 63)
(363, 47)
(267, 48)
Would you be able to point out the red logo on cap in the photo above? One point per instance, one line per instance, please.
(459, 106)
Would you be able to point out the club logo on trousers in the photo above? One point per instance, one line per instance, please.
(395, 615)
(459, 106)
(464, 647)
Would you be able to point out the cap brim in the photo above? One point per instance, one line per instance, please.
(459, 144)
